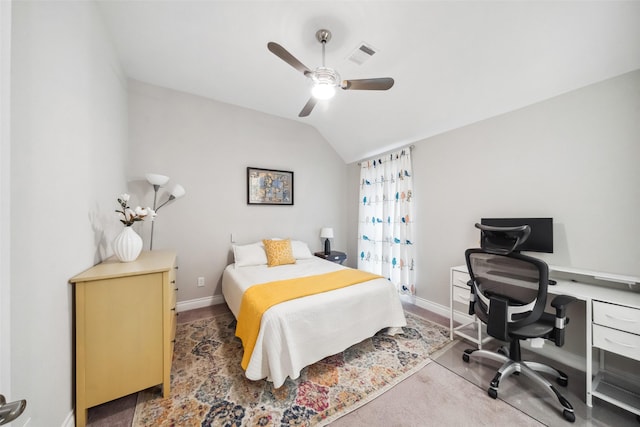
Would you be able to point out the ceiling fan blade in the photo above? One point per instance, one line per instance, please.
(306, 110)
(284, 54)
(382, 83)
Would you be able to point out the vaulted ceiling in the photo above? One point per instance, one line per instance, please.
(454, 62)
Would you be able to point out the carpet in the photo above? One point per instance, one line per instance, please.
(208, 386)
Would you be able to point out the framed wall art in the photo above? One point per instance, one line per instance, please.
(269, 187)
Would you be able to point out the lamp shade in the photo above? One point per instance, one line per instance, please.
(156, 179)
(326, 233)
(323, 91)
(178, 191)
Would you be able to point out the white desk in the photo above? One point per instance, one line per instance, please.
(612, 326)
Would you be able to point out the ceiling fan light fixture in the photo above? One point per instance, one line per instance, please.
(323, 91)
(325, 81)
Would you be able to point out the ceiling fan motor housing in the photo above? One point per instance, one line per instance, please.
(323, 36)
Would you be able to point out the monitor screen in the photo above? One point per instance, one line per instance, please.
(541, 237)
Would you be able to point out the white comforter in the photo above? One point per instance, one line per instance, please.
(300, 332)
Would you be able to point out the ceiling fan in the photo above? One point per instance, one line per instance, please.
(325, 79)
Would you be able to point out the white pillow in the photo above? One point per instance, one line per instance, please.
(252, 254)
(300, 250)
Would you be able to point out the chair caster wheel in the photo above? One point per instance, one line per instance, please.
(493, 393)
(569, 416)
(562, 381)
(465, 357)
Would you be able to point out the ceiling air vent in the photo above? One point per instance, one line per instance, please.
(362, 53)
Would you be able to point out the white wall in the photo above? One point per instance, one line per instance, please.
(5, 191)
(206, 146)
(68, 144)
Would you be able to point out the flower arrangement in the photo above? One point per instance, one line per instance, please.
(132, 215)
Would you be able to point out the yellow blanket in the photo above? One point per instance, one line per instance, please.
(258, 298)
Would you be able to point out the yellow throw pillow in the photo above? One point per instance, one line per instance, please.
(278, 252)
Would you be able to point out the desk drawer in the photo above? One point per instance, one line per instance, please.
(618, 342)
(460, 279)
(461, 299)
(617, 316)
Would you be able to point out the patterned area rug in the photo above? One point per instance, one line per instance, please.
(208, 386)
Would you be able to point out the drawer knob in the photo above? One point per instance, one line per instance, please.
(173, 309)
(175, 289)
(173, 281)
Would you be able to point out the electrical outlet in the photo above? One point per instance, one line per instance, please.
(200, 282)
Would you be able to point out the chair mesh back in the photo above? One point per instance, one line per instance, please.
(512, 276)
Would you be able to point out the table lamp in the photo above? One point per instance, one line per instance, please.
(326, 233)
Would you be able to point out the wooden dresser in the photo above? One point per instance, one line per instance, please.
(125, 322)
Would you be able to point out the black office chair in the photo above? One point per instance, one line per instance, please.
(509, 294)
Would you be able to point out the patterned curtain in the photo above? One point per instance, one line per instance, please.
(385, 224)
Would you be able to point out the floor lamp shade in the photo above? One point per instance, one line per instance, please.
(157, 181)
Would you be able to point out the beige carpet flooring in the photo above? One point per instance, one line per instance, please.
(435, 396)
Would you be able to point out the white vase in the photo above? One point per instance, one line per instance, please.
(127, 245)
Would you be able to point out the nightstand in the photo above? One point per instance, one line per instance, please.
(334, 256)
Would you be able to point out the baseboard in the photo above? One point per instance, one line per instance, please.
(199, 303)
(442, 310)
(70, 421)
(432, 307)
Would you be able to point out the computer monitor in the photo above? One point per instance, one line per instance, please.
(541, 237)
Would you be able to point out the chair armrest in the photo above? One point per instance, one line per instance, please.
(560, 303)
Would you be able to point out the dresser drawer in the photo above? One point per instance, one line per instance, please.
(618, 342)
(617, 316)
(460, 279)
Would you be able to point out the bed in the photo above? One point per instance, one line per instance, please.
(302, 331)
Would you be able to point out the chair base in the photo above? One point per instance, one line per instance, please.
(530, 370)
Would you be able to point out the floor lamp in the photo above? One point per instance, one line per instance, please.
(157, 181)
